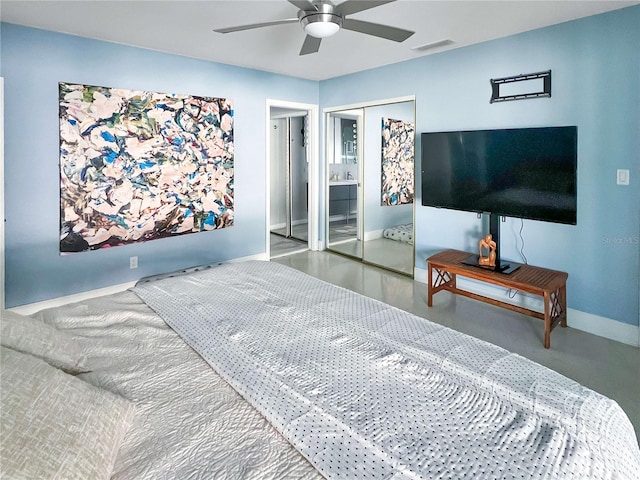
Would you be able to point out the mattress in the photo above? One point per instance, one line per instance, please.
(400, 233)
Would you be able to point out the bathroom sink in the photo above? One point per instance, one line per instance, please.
(343, 182)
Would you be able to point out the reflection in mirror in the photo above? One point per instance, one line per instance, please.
(349, 129)
(371, 187)
(288, 192)
(343, 219)
(344, 144)
(388, 180)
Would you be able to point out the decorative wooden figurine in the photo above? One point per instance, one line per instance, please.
(487, 244)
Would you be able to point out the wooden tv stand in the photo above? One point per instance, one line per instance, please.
(551, 285)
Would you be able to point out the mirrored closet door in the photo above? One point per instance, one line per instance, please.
(370, 187)
(343, 194)
(289, 177)
(388, 182)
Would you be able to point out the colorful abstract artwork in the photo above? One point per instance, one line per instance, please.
(397, 162)
(138, 166)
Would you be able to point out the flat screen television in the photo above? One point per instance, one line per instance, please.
(519, 172)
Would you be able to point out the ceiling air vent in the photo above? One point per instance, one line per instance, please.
(432, 45)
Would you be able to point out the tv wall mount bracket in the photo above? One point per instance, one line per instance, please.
(521, 87)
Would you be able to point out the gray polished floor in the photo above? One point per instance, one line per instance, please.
(608, 367)
(285, 246)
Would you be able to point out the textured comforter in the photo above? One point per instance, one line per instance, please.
(189, 423)
(364, 390)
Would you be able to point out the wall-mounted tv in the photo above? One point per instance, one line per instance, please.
(520, 172)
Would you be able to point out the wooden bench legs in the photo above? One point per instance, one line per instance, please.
(441, 277)
(443, 281)
(555, 311)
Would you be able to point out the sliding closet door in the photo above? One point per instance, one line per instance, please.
(298, 179)
(278, 221)
(370, 186)
(343, 146)
(389, 186)
(289, 178)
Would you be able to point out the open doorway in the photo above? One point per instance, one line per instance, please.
(292, 224)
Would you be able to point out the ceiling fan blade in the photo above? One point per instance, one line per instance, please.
(303, 5)
(310, 45)
(255, 25)
(377, 30)
(355, 6)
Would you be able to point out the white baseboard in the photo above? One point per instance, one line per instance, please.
(373, 235)
(257, 256)
(284, 225)
(603, 327)
(587, 322)
(30, 308)
(420, 275)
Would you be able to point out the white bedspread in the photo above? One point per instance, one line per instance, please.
(401, 233)
(189, 423)
(364, 390)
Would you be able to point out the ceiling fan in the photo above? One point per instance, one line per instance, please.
(321, 19)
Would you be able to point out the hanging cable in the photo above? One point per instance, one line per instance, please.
(511, 293)
(522, 242)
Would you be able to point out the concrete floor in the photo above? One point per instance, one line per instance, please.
(608, 367)
(391, 254)
(397, 256)
(285, 246)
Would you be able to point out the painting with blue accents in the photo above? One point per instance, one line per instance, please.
(138, 165)
(397, 162)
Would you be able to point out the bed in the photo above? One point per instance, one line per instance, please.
(256, 370)
(401, 233)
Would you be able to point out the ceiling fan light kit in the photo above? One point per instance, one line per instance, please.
(321, 19)
(320, 24)
(321, 30)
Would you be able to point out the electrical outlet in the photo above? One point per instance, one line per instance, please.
(133, 262)
(623, 176)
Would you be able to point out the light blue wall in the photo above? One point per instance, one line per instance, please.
(33, 62)
(595, 65)
(596, 86)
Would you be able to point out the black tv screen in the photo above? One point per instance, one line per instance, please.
(522, 172)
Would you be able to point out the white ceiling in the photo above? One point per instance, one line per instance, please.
(185, 27)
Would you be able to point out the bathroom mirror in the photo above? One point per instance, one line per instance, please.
(345, 134)
(349, 137)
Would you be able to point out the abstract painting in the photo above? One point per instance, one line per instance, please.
(138, 165)
(397, 162)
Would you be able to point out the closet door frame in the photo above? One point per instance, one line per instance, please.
(312, 150)
(361, 187)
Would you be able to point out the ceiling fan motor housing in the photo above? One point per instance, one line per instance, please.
(322, 22)
(321, 19)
